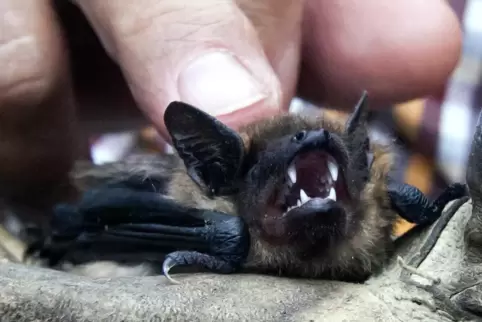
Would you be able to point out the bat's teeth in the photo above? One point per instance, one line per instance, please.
(299, 203)
(333, 167)
(292, 173)
(332, 194)
(303, 196)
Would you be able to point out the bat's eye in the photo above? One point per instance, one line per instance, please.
(300, 136)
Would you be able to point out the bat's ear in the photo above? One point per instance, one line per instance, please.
(359, 116)
(358, 141)
(212, 152)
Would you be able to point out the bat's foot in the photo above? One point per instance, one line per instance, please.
(452, 192)
(184, 258)
(411, 204)
(433, 211)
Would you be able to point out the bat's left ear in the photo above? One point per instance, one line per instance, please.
(212, 152)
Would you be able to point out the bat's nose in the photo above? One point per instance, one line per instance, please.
(315, 137)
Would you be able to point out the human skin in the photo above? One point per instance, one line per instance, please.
(325, 51)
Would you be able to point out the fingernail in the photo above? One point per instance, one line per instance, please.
(219, 84)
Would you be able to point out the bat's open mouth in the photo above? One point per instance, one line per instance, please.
(312, 177)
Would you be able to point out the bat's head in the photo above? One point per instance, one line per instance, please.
(297, 181)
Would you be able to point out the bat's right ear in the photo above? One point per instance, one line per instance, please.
(358, 142)
(359, 116)
(212, 152)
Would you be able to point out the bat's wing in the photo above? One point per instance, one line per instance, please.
(125, 219)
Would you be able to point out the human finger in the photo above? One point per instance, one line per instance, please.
(206, 53)
(397, 50)
(36, 108)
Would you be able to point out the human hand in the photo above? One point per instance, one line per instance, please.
(186, 50)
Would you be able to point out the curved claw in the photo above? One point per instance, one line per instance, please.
(166, 267)
(187, 258)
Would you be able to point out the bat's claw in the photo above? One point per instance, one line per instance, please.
(166, 267)
(452, 192)
(186, 258)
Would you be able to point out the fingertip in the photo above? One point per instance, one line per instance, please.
(221, 85)
(218, 84)
(32, 52)
(168, 51)
(236, 119)
(396, 51)
(37, 122)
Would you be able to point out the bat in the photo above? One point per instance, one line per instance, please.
(289, 195)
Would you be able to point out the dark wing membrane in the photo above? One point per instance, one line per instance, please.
(136, 243)
(122, 205)
(112, 223)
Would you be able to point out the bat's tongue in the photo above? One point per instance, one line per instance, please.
(317, 173)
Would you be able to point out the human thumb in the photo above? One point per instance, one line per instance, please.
(205, 53)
